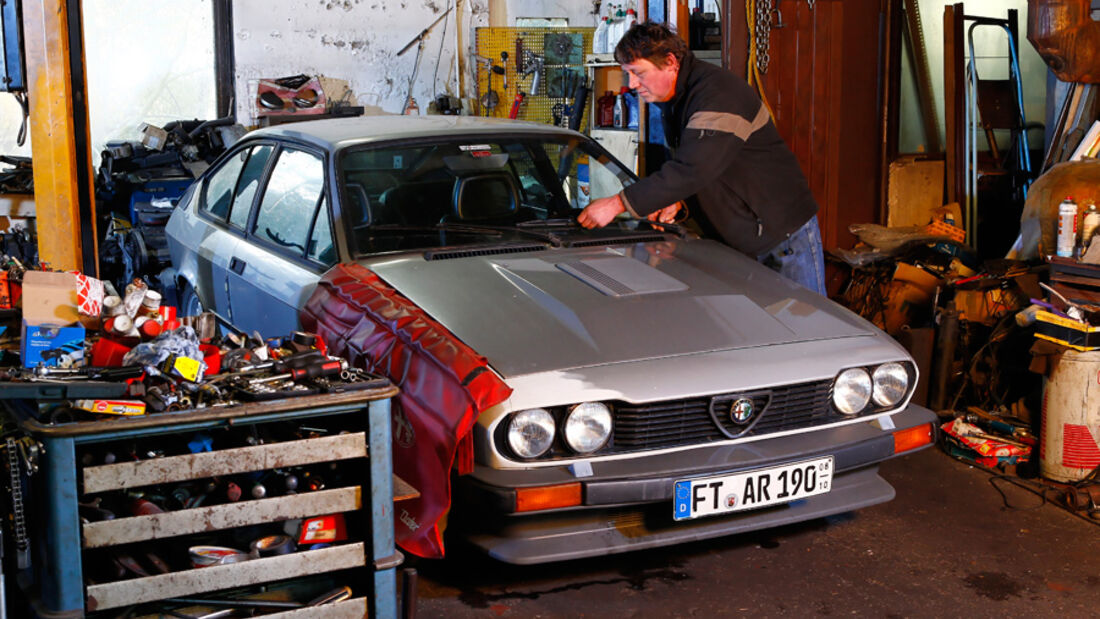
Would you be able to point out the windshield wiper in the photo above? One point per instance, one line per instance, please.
(561, 222)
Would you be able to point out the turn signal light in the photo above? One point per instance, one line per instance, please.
(548, 497)
(911, 438)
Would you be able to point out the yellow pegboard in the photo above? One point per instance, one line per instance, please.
(562, 50)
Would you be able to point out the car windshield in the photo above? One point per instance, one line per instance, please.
(469, 190)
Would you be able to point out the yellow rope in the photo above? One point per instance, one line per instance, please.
(752, 71)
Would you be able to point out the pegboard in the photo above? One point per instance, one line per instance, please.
(562, 50)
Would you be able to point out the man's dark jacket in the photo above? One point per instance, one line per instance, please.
(728, 161)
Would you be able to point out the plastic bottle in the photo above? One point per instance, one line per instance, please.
(631, 20)
(620, 115)
(1067, 227)
(615, 32)
(632, 108)
(599, 38)
(606, 107)
(1088, 225)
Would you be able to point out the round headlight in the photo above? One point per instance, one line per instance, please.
(531, 432)
(891, 382)
(852, 391)
(587, 427)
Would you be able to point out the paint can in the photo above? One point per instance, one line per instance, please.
(1070, 433)
(1067, 227)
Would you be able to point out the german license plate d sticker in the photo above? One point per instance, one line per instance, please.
(711, 496)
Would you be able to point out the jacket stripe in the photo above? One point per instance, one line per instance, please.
(729, 123)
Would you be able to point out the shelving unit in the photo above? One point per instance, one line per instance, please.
(63, 580)
(604, 74)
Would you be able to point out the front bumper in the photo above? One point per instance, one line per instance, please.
(627, 504)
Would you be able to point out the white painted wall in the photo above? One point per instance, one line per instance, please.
(354, 40)
(578, 12)
(358, 40)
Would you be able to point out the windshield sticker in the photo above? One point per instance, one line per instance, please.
(398, 162)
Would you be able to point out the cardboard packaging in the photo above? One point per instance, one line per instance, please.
(52, 333)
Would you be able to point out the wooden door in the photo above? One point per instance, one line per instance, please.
(823, 82)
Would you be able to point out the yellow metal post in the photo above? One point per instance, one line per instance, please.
(55, 133)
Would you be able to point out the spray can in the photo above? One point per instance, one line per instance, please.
(1089, 224)
(1067, 227)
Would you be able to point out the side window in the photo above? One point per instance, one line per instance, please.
(290, 200)
(218, 193)
(247, 185)
(321, 248)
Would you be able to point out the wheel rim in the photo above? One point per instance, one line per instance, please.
(191, 305)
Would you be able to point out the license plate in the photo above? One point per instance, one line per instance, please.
(723, 494)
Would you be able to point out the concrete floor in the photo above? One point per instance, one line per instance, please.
(945, 547)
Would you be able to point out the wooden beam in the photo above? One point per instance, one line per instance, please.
(58, 124)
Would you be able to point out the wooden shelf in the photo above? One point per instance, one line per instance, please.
(199, 580)
(224, 462)
(220, 517)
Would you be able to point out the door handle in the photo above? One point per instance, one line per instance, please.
(237, 265)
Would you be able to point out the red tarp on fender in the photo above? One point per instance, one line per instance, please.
(444, 386)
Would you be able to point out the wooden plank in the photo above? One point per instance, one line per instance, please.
(915, 189)
(348, 609)
(190, 582)
(218, 517)
(224, 462)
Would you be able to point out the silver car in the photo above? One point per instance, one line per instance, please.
(665, 388)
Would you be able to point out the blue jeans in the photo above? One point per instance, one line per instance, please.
(800, 258)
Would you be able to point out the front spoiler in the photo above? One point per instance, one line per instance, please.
(624, 512)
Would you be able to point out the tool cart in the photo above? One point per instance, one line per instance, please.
(137, 516)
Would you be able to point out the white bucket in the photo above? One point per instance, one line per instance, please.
(1071, 418)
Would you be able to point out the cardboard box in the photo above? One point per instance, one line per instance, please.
(52, 346)
(50, 298)
(52, 333)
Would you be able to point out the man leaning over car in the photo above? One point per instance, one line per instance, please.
(727, 159)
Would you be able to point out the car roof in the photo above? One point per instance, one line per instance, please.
(337, 133)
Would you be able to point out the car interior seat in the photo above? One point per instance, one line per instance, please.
(484, 196)
(359, 207)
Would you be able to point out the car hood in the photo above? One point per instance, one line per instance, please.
(569, 308)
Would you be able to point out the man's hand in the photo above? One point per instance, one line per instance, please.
(600, 212)
(666, 215)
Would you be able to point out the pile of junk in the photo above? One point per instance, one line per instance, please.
(1008, 349)
(138, 183)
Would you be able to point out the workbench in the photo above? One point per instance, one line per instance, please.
(58, 581)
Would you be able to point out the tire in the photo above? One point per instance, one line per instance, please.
(190, 305)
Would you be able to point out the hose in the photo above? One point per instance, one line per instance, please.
(752, 72)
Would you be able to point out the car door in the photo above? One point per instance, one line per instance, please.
(225, 201)
(289, 244)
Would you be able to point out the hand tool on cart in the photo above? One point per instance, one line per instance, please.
(504, 69)
(318, 369)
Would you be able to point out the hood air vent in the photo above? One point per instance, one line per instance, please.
(619, 276)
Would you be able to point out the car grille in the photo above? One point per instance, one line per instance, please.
(689, 422)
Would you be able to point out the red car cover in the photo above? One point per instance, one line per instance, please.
(444, 386)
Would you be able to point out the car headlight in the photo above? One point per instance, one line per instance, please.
(891, 383)
(852, 391)
(587, 427)
(531, 432)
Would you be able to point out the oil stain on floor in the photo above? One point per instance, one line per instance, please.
(994, 585)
